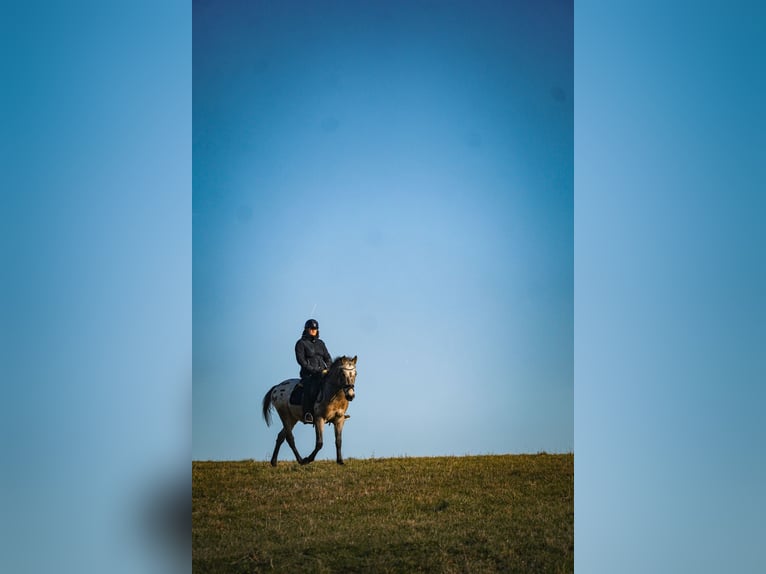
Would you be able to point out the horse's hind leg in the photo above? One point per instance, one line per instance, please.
(286, 434)
(280, 440)
(288, 430)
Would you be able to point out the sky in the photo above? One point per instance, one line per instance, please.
(96, 269)
(95, 283)
(670, 276)
(403, 173)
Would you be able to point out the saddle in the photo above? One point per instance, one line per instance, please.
(296, 397)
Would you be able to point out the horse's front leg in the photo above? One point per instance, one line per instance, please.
(319, 428)
(339, 439)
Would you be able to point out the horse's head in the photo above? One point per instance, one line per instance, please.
(345, 369)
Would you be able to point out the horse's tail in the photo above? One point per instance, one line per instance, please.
(267, 407)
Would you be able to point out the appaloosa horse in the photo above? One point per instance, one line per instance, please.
(330, 406)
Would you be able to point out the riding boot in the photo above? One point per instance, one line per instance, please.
(308, 401)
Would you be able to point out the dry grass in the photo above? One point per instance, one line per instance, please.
(511, 513)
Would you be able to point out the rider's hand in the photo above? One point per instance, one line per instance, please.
(324, 371)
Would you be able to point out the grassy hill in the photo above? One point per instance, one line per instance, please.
(510, 513)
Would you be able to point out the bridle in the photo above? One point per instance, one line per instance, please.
(348, 386)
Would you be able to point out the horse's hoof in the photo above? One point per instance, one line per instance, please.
(273, 463)
(340, 462)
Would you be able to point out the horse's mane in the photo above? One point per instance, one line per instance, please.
(339, 360)
(338, 363)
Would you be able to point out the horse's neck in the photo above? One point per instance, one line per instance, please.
(330, 389)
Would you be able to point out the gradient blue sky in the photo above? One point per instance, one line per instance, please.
(402, 172)
(670, 276)
(95, 282)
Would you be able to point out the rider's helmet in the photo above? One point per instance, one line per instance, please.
(311, 324)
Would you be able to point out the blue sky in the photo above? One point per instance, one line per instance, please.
(670, 272)
(404, 174)
(670, 277)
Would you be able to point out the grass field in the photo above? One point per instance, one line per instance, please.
(510, 513)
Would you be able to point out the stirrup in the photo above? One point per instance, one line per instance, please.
(308, 418)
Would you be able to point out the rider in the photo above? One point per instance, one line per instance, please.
(312, 356)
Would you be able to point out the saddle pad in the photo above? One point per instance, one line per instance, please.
(296, 397)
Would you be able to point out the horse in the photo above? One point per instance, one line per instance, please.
(330, 407)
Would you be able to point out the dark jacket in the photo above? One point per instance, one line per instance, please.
(312, 355)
